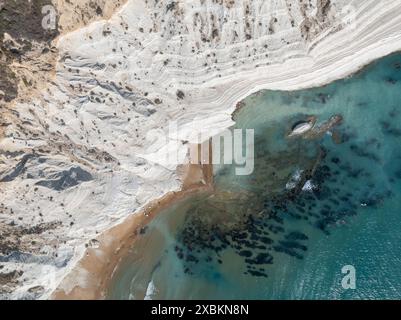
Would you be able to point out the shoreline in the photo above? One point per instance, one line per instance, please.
(98, 265)
(328, 59)
(212, 88)
(239, 105)
(116, 241)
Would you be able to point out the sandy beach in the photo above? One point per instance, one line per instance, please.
(98, 265)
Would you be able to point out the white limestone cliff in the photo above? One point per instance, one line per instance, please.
(75, 160)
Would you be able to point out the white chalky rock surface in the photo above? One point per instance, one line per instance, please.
(77, 161)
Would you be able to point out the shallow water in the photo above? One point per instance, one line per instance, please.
(256, 237)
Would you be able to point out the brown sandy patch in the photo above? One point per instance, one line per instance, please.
(75, 14)
(28, 58)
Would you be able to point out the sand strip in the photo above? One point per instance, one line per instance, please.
(98, 265)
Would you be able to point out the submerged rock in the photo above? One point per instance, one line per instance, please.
(302, 127)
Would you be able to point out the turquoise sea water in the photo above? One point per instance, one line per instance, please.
(255, 237)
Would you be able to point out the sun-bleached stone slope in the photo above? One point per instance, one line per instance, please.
(79, 159)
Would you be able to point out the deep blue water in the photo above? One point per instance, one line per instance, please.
(255, 238)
